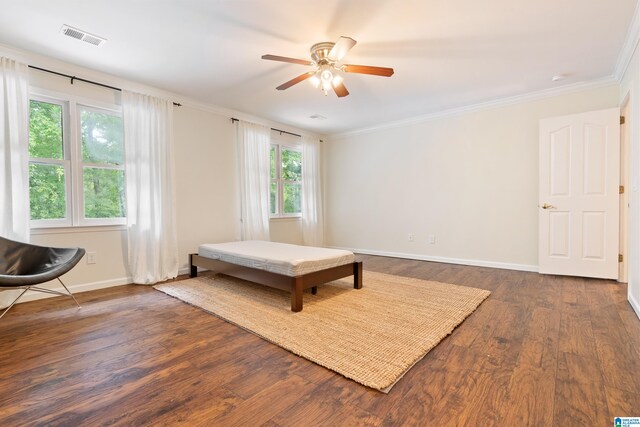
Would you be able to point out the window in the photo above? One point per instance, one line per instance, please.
(102, 164)
(286, 177)
(48, 166)
(76, 164)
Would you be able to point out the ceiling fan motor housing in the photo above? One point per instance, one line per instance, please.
(320, 53)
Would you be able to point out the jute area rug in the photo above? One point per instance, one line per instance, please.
(371, 335)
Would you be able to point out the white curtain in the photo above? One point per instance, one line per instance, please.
(312, 223)
(254, 143)
(14, 156)
(148, 133)
(14, 150)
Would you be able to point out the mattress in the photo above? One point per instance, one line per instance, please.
(280, 258)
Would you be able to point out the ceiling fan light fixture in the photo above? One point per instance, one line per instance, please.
(326, 75)
(337, 80)
(315, 81)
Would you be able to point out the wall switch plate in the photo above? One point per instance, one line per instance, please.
(92, 258)
(432, 239)
(410, 237)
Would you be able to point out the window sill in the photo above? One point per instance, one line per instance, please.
(285, 218)
(81, 229)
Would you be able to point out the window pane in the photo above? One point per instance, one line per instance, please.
(291, 198)
(272, 155)
(103, 193)
(273, 200)
(45, 130)
(291, 165)
(46, 191)
(101, 138)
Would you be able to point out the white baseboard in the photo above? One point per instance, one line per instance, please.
(473, 262)
(32, 295)
(634, 304)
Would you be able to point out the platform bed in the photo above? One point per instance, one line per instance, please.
(295, 284)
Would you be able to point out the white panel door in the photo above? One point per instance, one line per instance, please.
(578, 210)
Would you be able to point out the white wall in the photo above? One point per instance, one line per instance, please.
(286, 230)
(206, 179)
(110, 247)
(470, 180)
(206, 182)
(629, 89)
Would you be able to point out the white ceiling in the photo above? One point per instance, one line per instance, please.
(446, 53)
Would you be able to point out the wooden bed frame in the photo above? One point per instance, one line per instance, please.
(295, 284)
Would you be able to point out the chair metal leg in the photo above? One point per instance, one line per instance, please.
(69, 292)
(49, 291)
(14, 301)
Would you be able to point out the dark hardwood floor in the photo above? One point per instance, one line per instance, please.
(541, 351)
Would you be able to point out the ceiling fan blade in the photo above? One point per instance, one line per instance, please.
(285, 59)
(340, 90)
(297, 80)
(366, 69)
(340, 49)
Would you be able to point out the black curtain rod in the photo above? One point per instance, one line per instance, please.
(177, 104)
(233, 120)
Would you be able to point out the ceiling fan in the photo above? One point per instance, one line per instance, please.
(325, 57)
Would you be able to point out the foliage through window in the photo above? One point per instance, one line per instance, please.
(286, 177)
(103, 164)
(76, 164)
(48, 168)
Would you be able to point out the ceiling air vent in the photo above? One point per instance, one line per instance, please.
(82, 35)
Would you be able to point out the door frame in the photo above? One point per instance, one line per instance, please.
(566, 255)
(625, 110)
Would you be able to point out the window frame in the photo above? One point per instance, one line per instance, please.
(279, 146)
(73, 162)
(65, 162)
(81, 164)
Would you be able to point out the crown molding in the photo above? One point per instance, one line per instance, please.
(629, 46)
(210, 108)
(64, 67)
(123, 83)
(488, 105)
(633, 36)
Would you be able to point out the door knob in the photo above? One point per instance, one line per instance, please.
(546, 206)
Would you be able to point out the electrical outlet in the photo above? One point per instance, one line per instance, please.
(92, 258)
(410, 237)
(432, 239)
